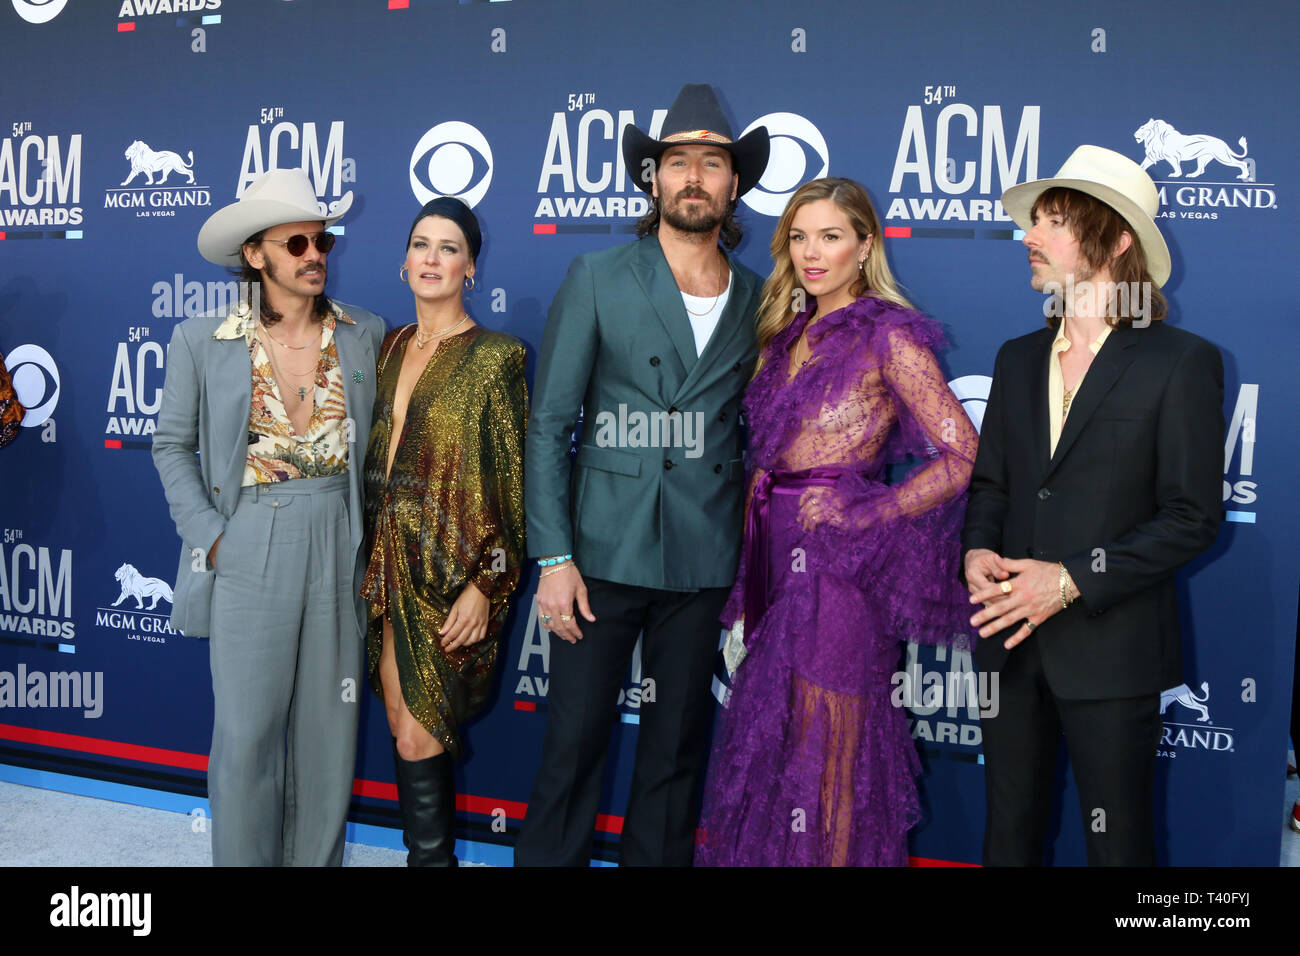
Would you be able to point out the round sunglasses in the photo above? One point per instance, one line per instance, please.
(297, 245)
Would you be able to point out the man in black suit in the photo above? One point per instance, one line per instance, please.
(1098, 475)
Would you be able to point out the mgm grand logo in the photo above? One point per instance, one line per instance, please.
(1201, 733)
(146, 188)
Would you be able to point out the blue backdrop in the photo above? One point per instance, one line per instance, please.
(126, 123)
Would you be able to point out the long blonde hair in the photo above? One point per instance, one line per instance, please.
(781, 291)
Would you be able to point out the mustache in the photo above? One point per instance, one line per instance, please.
(693, 192)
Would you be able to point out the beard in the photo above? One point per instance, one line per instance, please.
(705, 218)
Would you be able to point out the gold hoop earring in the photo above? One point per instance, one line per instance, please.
(469, 283)
(402, 277)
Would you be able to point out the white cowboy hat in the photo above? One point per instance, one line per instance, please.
(277, 196)
(1118, 182)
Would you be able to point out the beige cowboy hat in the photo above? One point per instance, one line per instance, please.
(1118, 182)
(275, 197)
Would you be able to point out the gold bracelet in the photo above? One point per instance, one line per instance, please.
(558, 567)
(1065, 577)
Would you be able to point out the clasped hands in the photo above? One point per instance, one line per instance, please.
(821, 506)
(1013, 591)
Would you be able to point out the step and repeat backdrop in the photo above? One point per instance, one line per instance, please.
(125, 123)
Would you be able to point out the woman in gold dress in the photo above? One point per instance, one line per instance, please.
(444, 519)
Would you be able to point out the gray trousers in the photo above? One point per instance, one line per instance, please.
(286, 666)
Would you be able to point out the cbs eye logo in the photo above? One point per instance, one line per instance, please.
(39, 11)
(973, 393)
(452, 159)
(797, 147)
(36, 381)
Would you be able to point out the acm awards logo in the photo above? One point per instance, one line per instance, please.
(136, 611)
(583, 177)
(135, 389)
(451, 159)
(145, 8)
(35, 592)
(158, 183)
(40, 179)
(1179, 157)
(278, 143)
(39, 11)
(953, 162)
(533, 670)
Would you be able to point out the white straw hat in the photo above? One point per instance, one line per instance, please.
(277, 196)
(1118, 182)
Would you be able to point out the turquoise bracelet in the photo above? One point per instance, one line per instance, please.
(547, 562)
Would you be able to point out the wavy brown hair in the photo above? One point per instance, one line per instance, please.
(780, 300)
(248, 276)
(1097, 228)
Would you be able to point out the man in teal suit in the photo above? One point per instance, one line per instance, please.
(275, 395)
(652, 343)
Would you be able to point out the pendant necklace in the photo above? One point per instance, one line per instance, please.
(422, 339)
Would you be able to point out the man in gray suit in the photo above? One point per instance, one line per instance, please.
(275, 395)
(652, 343)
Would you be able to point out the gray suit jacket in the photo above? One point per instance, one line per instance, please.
(655, 497)
(205, 407)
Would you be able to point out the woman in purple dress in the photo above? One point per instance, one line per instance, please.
(813, 764)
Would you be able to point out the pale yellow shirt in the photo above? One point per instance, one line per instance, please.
(1056, 381)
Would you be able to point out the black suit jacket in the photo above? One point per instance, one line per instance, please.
(1133, 491)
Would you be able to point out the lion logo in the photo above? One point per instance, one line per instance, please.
(1162, 142)
(150, 161)
(136, 585)
(1183, 695)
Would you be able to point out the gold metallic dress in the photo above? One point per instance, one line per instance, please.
(451, 512)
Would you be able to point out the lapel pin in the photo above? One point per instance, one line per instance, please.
(358, 376)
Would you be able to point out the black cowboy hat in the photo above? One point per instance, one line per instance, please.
(696, 118)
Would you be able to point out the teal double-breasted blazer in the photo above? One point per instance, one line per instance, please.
(655, 495)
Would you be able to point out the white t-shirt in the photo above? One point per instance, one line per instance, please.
(703, 325)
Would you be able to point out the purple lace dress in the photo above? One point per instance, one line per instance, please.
(812, 764)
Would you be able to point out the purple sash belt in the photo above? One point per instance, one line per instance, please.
(758, 530)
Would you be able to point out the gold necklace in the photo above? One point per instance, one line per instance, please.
(712, 304)
(295, 348)
(421, 340)
(280, 376)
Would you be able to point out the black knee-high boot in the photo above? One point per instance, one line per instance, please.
(401, 801)
(426, 793)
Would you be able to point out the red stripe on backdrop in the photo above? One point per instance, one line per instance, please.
(465, 802)
(107, 748)
(543, 229)
(125, 27)
(112, 443)
(898, 232)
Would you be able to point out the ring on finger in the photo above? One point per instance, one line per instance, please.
(1006, 587)
(545, 618)
(565, 618)
(1031, 625)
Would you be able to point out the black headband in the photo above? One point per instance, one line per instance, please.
(451, 208)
